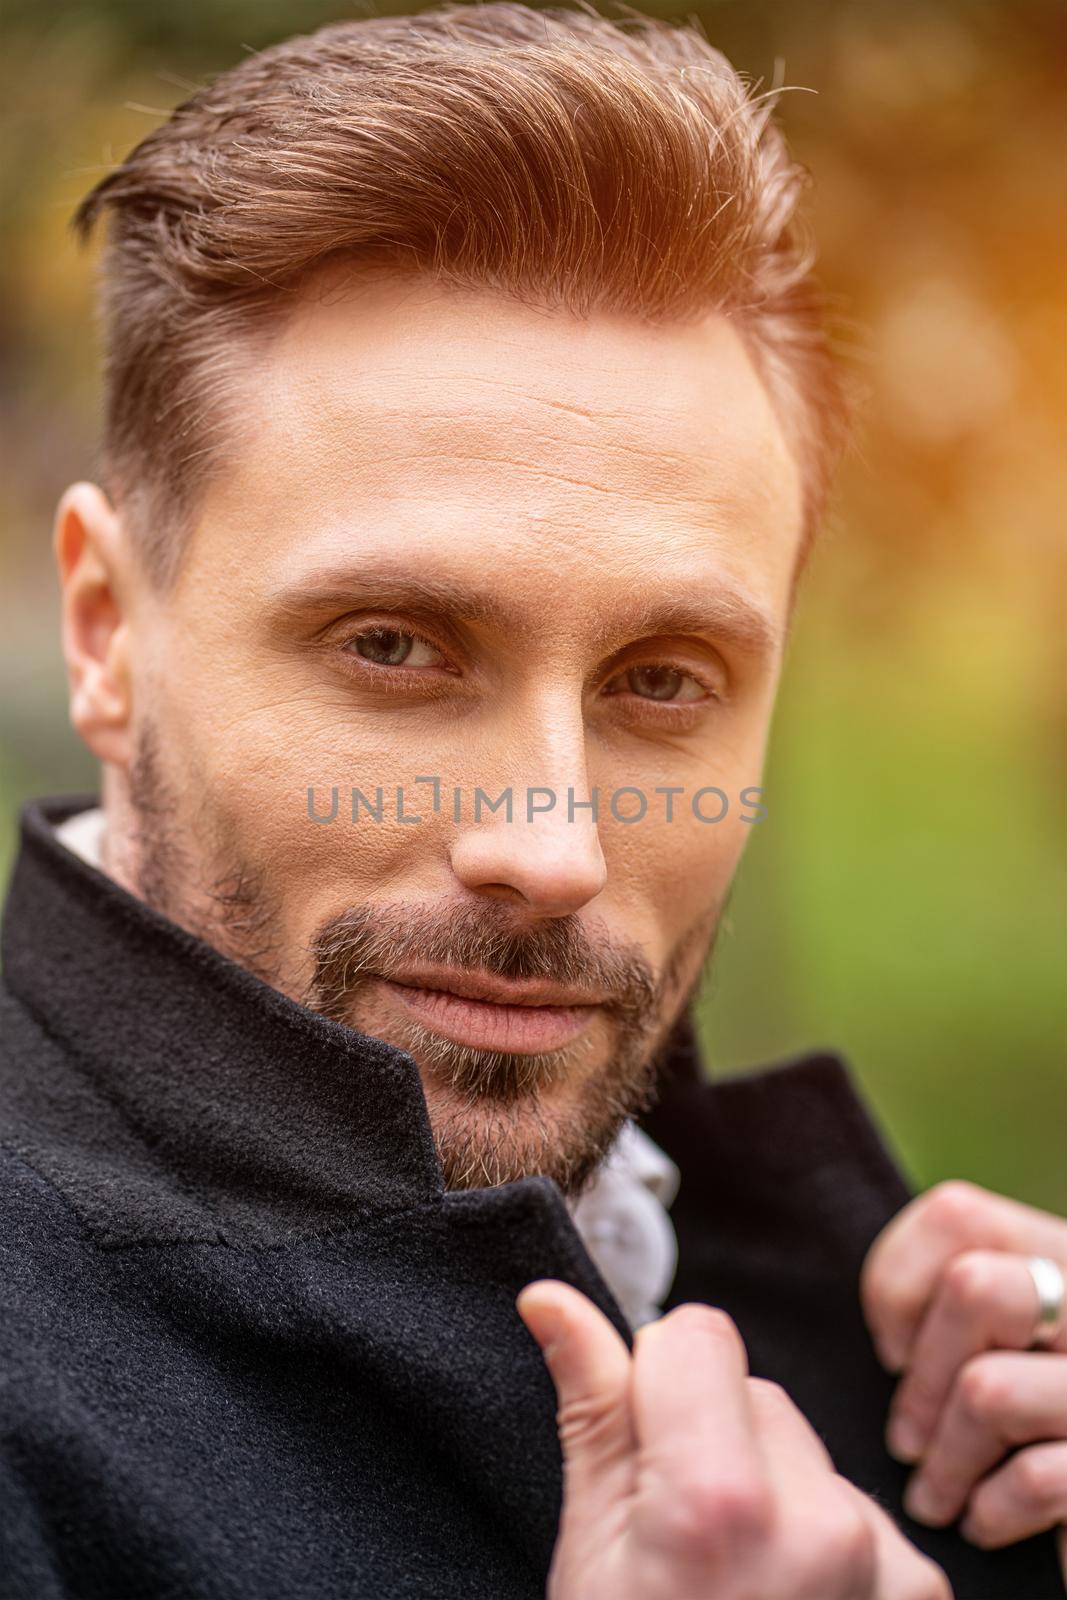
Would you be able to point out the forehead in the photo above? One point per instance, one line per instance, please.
(392, 414)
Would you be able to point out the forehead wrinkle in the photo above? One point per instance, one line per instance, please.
(400, 422)
(682, 493)
(625, 456)
(567, 451)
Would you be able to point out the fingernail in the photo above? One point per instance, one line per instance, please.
(904, 1439)
(922, 1501)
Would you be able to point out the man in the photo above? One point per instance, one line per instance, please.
(469, 415)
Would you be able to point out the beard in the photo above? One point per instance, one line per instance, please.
(495, 1115)
(502, 1115)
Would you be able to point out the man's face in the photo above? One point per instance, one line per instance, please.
(508, 550)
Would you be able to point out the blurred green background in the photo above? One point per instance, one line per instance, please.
(906, 900)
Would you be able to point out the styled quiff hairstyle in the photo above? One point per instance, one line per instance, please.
(568, 160)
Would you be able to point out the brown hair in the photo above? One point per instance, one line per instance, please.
(558, 156)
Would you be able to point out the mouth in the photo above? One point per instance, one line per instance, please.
(488, 1013)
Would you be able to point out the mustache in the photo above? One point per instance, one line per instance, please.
(382, 940)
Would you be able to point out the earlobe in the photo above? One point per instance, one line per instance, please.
(90, 556)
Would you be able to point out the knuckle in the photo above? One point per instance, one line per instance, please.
(952, 1204)
(1035, 1478)
(853, 1543)
(982, 1390)
(842, 1550)
(704, 1518)
(970, 1279)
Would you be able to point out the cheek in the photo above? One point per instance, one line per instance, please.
(336, 817)
(669, 874)
(664, 877)
(276, 765)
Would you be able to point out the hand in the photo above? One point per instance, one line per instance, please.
(685, 1479)
(952, 1306)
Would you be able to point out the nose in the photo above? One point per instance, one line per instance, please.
(547, 859)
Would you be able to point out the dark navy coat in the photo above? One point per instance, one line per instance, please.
(250, 1349)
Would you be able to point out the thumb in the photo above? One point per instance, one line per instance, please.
(590, 1367)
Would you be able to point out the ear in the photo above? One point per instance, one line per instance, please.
(92, 557)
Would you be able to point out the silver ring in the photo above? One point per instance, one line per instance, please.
(1051, 1297)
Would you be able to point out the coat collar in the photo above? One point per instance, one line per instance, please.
(185, 1094)
(182, 1098)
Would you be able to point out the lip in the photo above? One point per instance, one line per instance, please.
(489, 1014)
(499, 991)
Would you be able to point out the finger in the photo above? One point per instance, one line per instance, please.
(1027, 1495)
(787, 1439)
(690, 1377)
(704, 1495)
(985, 1300)
(823, 1537)
(1000, 1400)
(591, 1369)
(886, 1566)
(903, 1265)
(902, 1571)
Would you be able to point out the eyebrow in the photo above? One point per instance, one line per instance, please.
(726, 613)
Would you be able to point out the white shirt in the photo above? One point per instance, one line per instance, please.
(622, 1216)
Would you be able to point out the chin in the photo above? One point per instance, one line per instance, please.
(498, 1116)
(560, 1131)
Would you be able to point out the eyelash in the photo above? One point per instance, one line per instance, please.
(391, 678)
(662, 711)
(394, 679)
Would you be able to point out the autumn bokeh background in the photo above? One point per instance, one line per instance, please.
(906, 900)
